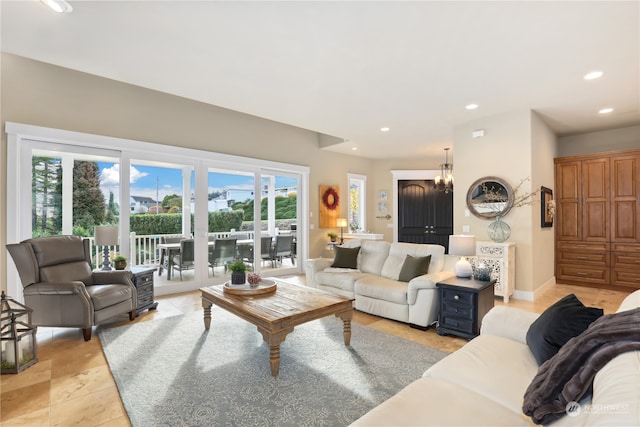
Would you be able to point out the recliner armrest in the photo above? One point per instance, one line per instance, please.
(56, 288)
(117, 277)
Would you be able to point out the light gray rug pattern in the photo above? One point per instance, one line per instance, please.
(169, 372)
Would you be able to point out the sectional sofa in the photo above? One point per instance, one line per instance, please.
(484, 383)
(373, 281)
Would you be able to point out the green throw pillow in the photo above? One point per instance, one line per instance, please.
(414, 267)
(346, 257)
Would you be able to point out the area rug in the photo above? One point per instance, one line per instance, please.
(170, 372)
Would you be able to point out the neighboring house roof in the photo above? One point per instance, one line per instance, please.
(143, 200)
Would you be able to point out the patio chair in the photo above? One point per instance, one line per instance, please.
(223, 253)
(63, 290)
(184, 259)
(282, 248)
(266, 248)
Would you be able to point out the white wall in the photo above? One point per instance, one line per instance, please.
(625, 138)
(544, 144)
(505, 151)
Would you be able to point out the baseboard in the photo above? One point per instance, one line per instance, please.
(533, 295)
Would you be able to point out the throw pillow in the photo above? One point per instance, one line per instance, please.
(559, 323)
(346, 257)
(414, 267)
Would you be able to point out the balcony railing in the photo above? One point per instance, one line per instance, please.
(143, 249)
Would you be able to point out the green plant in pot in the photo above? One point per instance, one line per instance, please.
(333, 236)
(120, 262)
(238, 272)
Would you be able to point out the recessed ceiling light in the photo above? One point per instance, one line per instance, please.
(59, 6)
(606, 110)
(354, 148)
(593, 75)
(471, 106)
(385, 129)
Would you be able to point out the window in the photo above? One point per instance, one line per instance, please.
(357, 202)
(143, 178)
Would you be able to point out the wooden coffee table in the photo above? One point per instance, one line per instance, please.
(277, 313)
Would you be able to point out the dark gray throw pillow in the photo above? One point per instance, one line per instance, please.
(414, 267)
(346, 257)
(559, 323)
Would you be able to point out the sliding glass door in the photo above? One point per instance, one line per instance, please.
(160, 198)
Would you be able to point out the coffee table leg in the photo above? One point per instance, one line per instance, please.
(274, 341)
(346, 317)
(207, 313)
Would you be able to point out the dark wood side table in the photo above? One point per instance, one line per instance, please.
(142, 278)
(463, 304)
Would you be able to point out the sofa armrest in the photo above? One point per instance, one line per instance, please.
(508, 322)
(116, 277)
(313, 266)
(426, 281)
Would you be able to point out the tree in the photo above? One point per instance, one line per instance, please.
(170, 201)
(88, 201)
(112, 210)
(46, 192)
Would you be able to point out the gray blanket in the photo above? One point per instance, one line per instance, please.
(568, 376)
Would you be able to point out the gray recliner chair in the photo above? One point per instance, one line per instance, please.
(61, 288)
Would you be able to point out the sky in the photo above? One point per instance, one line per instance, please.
(149, 181)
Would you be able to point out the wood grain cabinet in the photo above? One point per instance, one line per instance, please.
(598, 219)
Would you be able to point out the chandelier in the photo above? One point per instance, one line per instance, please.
(444, 181)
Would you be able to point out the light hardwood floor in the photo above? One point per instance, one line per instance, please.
(71, 384)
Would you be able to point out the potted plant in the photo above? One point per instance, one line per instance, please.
(238, 272)
(120, 262)
(333, 236)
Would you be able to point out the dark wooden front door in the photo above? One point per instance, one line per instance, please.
(425, 214)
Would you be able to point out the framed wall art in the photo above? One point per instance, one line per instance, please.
(547, 207)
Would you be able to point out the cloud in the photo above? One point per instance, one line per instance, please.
(111, 176)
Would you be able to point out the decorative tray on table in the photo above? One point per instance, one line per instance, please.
(265, 286)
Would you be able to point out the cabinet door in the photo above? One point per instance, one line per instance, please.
(625, 199)
(595, 195)
(568, 200)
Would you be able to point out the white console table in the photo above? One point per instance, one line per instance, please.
(501, 259)
(364, 236)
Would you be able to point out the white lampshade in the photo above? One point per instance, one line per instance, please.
(341, 222)
(464, 246)
(106, 235)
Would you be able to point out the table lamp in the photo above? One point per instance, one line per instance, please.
(464, 246)
(106, 235)
(341, 222)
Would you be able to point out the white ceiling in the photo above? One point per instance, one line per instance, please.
(347, 69)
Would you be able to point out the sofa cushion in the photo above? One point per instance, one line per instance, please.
(497, 368)
(345, 257)
(373, 254)
(344, 281)
(414, 267)
(398, 252)
(382, 289)
(434, 402)
(562, 321)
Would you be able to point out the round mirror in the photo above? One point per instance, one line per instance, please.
(490, 197)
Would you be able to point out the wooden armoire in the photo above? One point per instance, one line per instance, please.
(597, 220)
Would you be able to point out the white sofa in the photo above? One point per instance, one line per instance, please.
(484, 382)
(374, 284)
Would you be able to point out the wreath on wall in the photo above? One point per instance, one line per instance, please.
(331, 199)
